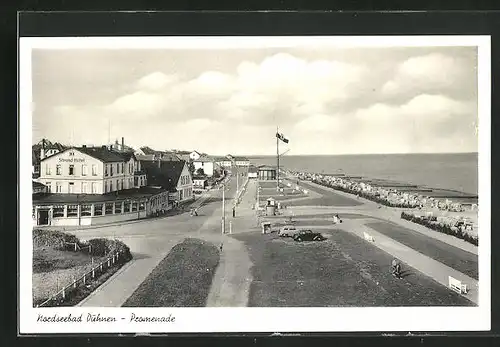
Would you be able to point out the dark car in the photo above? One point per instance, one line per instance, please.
(307, 235)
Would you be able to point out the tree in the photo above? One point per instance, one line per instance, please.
(216, 174)
(191, 168)
(200, 172)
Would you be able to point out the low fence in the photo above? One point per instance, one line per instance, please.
(76, 247)
(99, 269)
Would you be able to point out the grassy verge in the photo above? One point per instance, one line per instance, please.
(56, 264)
(342, 271)
(182, 279)
(445, 253)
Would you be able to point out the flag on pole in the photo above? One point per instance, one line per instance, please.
(282, 137)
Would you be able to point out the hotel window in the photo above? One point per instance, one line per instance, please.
(118, 185)
(49, 187)
(105, 169)
(118, 207)
(71, 187)
(85, 210)
(122, 168)
(117, 168)
(84, 187)
(48, 171)
(109, 208)
(72, 211)
(98, 209)
(71, 170)
(123, 183)
(94, 188)
(111, 169)
(94, 170)
(58, 169)
(84, 170)
(142, 206)
(134, 206)
(126, 207)
(58, 211)
(58, 187)
(110, 186)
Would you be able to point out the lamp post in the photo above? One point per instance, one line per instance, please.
(223, 208)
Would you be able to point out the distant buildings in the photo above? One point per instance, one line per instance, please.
(253, 172)
(267, 173)
(173, 176)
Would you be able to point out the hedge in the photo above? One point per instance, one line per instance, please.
(433, 224)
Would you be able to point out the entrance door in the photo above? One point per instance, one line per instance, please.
(43, 217)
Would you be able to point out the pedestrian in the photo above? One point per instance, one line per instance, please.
(234, 212)
(220, 247)
(396, 268)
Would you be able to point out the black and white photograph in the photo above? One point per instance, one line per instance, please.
(212, 184)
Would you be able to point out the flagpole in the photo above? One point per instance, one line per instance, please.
(277, 159)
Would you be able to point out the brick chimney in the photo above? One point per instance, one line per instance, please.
(123, 143)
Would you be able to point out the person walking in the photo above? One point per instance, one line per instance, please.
(234, 212)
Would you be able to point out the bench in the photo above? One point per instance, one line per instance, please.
(457, 286)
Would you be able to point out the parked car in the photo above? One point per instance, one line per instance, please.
(287, 231)
(308, 235)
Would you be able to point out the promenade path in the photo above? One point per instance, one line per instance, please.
(232, 280)
(431, 266)
(151, 240)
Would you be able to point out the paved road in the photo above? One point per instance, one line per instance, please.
(151, 240)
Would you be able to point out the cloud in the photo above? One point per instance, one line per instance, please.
(323, 105)
(155, 80)
(435, 72)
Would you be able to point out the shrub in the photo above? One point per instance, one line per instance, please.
(53, 239)
(431, 223)
(101, 247)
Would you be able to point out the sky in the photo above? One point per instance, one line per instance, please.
(325, 100)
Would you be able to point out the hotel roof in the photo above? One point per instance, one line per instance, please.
(103, 154)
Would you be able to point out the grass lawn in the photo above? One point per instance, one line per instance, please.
(449, 255)
(344, 270)
(182, 279)
(337, 199)
(281, 197)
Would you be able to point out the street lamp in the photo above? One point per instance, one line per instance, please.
(223, 208)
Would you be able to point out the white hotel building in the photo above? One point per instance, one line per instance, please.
(94, 185)
(91, 170)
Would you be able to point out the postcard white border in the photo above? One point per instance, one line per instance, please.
(258, 319)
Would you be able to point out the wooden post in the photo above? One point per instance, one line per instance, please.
(63, 293)
(109, 262)
(74, 282)
(83, 279)
(101, 267)
(75, 246)
(93, 273)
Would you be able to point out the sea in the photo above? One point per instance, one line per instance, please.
(455, 171)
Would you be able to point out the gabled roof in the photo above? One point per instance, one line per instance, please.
(204, 159)
(240, 158)
(103, 154)
(146, 150)
(163, 173)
